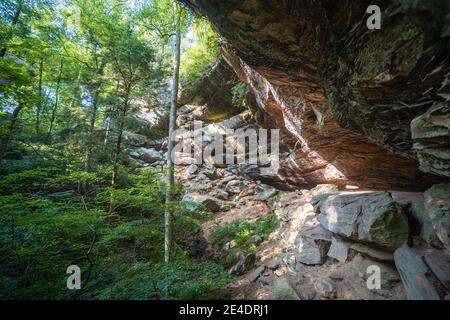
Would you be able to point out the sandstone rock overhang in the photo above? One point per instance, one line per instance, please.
(346, 95)
(213, 92)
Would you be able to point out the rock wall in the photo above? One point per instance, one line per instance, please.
(213, 93)
(346, 95)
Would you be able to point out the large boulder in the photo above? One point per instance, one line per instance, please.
(134, 139)
(326, 288)
(244, 264)
(135, 163)
(413, 202)
(149, 155)
(312, 245)
(304, 239)
(431, 132)
(427, 231)
(372, 217)
(437, 207)
(339, 249)
(196, 201)
(282, 290)
(423, 272)
(257, 273)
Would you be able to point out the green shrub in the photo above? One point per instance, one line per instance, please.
(178, 280)
(38, 241)
(197, 60)
(46, 224)
(239, 94)
(28, 180)
(240, 231)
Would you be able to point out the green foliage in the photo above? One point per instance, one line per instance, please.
(42, 233)
(198, 59)
(180, 280)
(65, 78)
(27, 180)
(239, 93)
(39, 239)
(142, 236)
(14, 75)
(240, 231)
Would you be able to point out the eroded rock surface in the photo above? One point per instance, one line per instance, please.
(325, 240)
(368, 217)
(344, 96)
(437, 208)
(420, 282)
(213, 93)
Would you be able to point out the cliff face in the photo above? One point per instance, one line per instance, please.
(213, 93)
(347, 95)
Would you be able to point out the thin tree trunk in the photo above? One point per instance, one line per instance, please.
(119, 144)
(117, 154)
(90, 141)
(39, 108)
(55, 107)
(108, 128)
(76, 93)
(111, 111)
(172, 118)
(96, 92)
(12, 126)
(90, 144)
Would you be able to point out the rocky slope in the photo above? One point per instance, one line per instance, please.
(356, 109)
(326, 242)
(362, 107)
